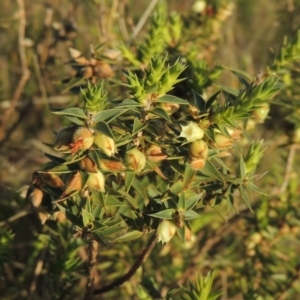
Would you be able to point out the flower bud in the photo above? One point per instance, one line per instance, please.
(83, 139)
(105, 143)
(188, 235)
(35, 197)
(198, 149)
(96, 181)
(165, 231)
(64, 138)
(155, 153)
(222, 141)
(234, 133)
(108, 165)
(261, 113)
(74, 184)
(88, 165)
(192, 132)
(197, 164)
(169, 108)
(135, 160)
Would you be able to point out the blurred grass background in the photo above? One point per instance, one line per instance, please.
(52, 27)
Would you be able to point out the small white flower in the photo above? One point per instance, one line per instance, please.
(165, 231)
(191, 132)
(199, 6)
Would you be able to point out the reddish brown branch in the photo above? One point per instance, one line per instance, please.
(92, 269)
(143, 257)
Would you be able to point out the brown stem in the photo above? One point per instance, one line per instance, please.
(143, 257)
(25, 71)
(92, 269)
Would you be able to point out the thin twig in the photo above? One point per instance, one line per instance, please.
(93, 252)
(122, 22)
(25, 71)
(37, 273)
(15, 217)
(143, 257)
(143, 19)
(288, 169)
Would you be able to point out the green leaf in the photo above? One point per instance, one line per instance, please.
(199, 101)
(191, 202)
(161, 113)
(245, 195)
(129, 103)
(74, 219)
(243, 168)
(181, 202)
(98, 197)
(128, 198)
(139, 188)
(109, 230)
(129, 236)
(102, 127)
(229, 90)
(75, 120)
(181, 232)
(188, 176)
(129, 177)
(96, 236)
(177, 188)
(211, 100)
(171, 99)
(71, 112)
(138, 126)
(164, 214)
(113, 201)
(190, 215)
(109, 114)
(55, 159)
(210, 169)
(98, 212)
(87, 217)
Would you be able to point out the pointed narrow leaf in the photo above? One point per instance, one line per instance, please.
(71, 112)
(129, 103)
(109, 114)
(211, 100)
(171, 99)
(243, 168)
(164, 214)
(113, 201)
(177, 188)
(200, 102)
(181, 233)
(190, 215)
(75, 120)
(131, 201)
(139, 188)
(138, 126)
(74, 219)
(210, 169)
(102, 127)
(191, 202)
(181, 202)
(160, 113)
(188, 176)
(87, 217)
(98, 197)
(129, 236)
(129, 177)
